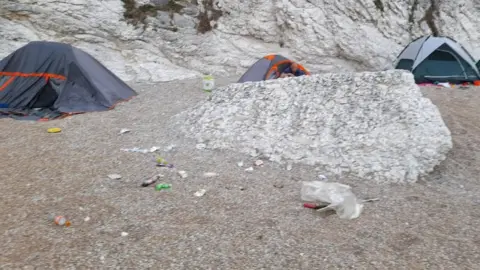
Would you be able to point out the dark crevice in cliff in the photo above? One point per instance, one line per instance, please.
(429, 18)
(379, 5)
(209, 14)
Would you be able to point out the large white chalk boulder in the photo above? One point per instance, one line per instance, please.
(376, 126)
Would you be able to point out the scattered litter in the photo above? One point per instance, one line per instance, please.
(240, 164)
(200, 193)
(201, 146)
(322, 177)
(289, 166)
(169, 148)
(60, 220)
(54, 130)
(259, 162)
(210, 174)
(162, 186)
(337, 197)
(371, 200)
(183, 174)
(86, 219)
(163, 165)
(444, 84)
(124, 234)
(249, 169)
(161, 162)
(140, 150)
(114, 176)
(124, 130)
(313, 205)
(151, 180)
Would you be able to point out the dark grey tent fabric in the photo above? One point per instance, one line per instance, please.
(432, 59)
(60, 78)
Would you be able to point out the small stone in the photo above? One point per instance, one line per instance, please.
(249, 169)
(210, 174)
(183, 174)
(114, 176)
(322, 177)
(259, 162)
(278, 185)
(240, 164)
(242, 188)
(201, 146)
(86, 219)
(200, 193)
(124, 234)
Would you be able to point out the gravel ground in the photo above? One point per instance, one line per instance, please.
(244, 221)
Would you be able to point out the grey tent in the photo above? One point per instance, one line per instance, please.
(49, 79)
(268, 67)
(442, 59)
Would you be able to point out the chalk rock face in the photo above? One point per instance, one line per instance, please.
(158, 40)
(372, 125)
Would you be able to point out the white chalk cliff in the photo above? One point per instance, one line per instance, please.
(165, 40)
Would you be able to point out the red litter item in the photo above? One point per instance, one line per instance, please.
(310, 205)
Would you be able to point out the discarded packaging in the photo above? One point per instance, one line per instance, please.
(169, 148)
(259, 162)
(114, 176)
(60, 220)
(337, 197)
(200, 193)
(161, 162)
(162, 186)
(151, 180)
(124, 130)
(249, 169)
(54, 130)
(210, 174)
(240, 164)
(124, 234)
(140, 150)
(183, 174)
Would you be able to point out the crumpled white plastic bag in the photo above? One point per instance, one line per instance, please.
(338, 197)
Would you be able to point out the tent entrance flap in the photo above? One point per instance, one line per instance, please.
(45, 98)
(440, 64)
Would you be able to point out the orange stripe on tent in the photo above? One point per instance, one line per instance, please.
(274, 68)
(270, 57)
(7, 83)
(45, 75)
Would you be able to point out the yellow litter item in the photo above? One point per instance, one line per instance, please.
(54, 130)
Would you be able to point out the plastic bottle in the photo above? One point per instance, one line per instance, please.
(208, 83)
(162, 186)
